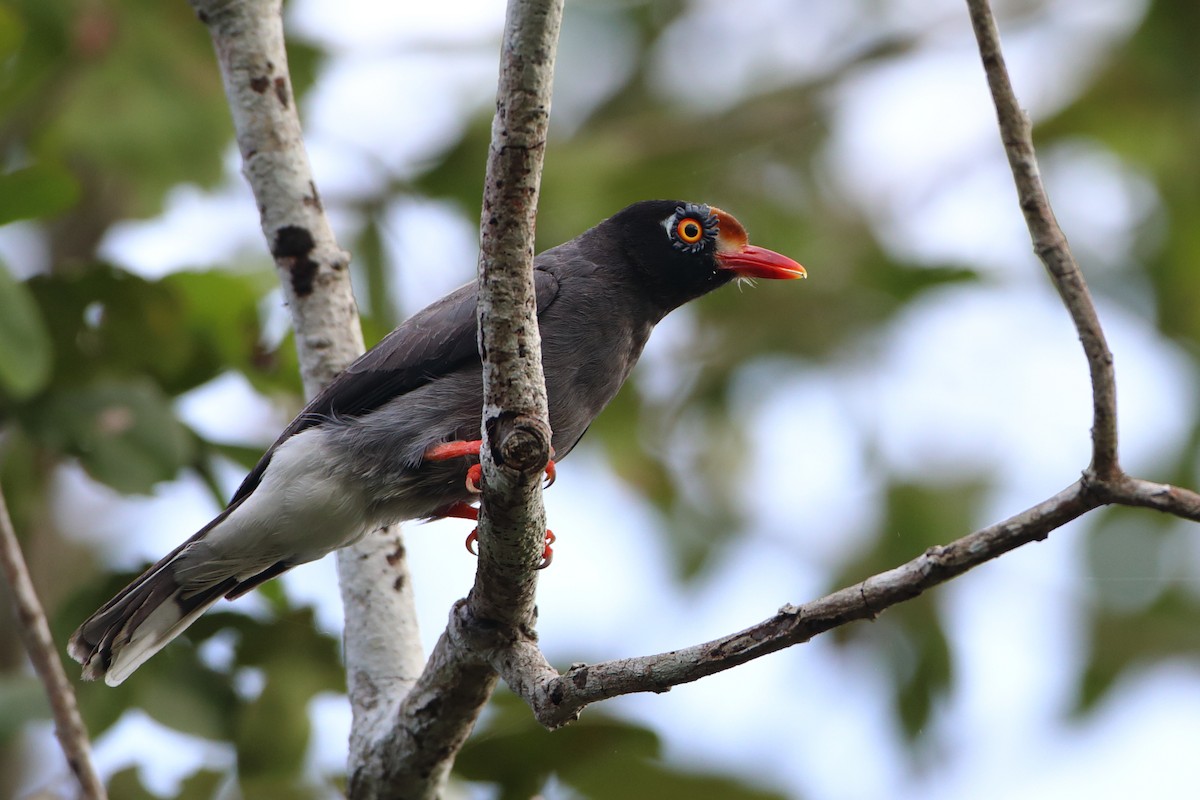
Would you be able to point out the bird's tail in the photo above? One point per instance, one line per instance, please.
(148, 613)
(139, 622)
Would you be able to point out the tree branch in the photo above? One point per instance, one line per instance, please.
(516, 426)
(39, 644)
(1049, 242)
(408, 732)
(1127, 491)
(382, 646)
(556, 699)
(414, 757)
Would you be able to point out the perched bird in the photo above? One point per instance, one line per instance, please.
(393, 437)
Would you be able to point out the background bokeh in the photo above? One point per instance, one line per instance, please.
(774, 443)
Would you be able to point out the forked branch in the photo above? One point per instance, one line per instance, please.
(557, 699)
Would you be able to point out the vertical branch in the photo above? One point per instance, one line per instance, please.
(516, 427)
(35, 633)
(382, 645)
(1049, 242)
(248, 39)
(413, 759)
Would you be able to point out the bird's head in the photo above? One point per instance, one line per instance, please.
(683, 250)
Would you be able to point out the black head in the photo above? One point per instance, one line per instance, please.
(682, 250)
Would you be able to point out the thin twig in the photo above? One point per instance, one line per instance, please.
(1049, 242)
(35, 634)
(1126, 491)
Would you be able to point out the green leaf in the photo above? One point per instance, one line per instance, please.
(12, 31)
(600, 756)
(127, 785)
(178, 690)
(1142, 604)
(124, 434)
(910, 637)
(201, 785)
(25, 354)
(220, 318)
(147, 108)
(649, 779)
(1122, 642)
(106, 322)
(272, 731)
(41, 190)
(182, 330)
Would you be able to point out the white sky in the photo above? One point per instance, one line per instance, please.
(915, 143)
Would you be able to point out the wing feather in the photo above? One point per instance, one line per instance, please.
(438, 340)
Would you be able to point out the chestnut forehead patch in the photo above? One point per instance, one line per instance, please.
(732, 235)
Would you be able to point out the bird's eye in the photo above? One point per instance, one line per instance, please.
(689, 230)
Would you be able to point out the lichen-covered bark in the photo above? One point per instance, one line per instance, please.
(382, 646)
(412, 759)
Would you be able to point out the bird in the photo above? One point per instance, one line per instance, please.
(394, 436)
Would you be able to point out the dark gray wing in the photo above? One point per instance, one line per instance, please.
(438, 340)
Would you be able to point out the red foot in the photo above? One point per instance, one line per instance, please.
(464, 511)
(448, 450)
(547, 552)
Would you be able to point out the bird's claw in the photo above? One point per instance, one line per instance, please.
(475, 479)
(547, 551)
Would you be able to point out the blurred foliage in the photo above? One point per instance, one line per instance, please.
(581, 757)
(106, 106)
(910, 638)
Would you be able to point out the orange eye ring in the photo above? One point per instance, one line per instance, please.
(689, 230)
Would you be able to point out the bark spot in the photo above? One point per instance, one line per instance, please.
(292, 250)
(398, 584)
(281, 91)
(579, 677)
(395, 555)
(260, 84)
(313, 198)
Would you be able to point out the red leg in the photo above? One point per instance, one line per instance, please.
(458, 511)
(448, 450)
